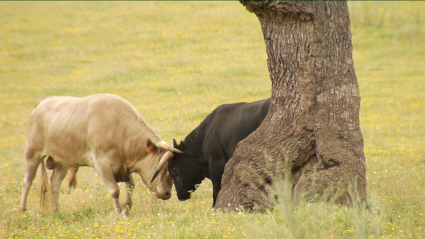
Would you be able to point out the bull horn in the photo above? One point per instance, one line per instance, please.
(164, 145)
(167, 156)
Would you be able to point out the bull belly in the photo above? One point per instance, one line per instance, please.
(70, 160)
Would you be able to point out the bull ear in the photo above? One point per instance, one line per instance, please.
(151, 147)
(178, 146)
(182, 146)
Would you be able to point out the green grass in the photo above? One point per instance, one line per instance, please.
(177, 61)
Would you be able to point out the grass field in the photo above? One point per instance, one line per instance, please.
(175, 62)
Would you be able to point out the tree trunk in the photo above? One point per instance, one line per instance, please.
(311, 134)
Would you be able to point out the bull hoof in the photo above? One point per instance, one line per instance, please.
(126, 211)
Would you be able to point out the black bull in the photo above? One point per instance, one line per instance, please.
(210, 145)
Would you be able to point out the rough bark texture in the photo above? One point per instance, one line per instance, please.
(312, 132)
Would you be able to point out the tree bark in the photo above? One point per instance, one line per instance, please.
(311, 135)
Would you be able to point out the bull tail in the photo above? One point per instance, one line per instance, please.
(43, 183)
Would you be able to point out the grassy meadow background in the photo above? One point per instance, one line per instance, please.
(177, 61)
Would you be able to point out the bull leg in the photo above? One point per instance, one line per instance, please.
(72, 180)
(216, 172)
(129, 193)
(56, 179)
(107, 175)
(31, 169)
